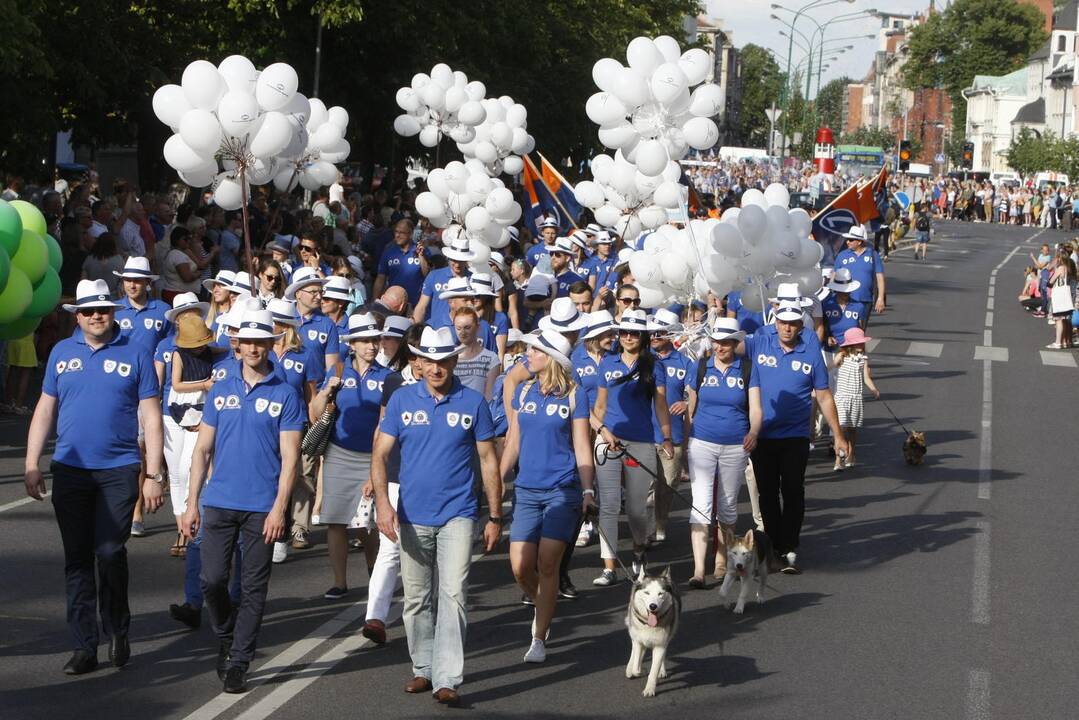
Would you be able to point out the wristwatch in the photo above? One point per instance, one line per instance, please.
(495, 520)
(588, 491)
(158, 478)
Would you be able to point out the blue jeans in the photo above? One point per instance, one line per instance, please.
(436, 630)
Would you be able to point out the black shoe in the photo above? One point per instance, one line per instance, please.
(119, 650)
(526, 600)
(81, 662)
(188, 615)
(236, 680)
(567, 590)
(335, 593)
(223, 659)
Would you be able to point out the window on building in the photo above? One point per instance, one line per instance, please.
(1062, 43)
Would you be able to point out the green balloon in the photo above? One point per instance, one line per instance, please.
(46, 295)
(32, 256)
(5, 267)
(19, 329)
(56, 255)
(10, 228)
(32, 219)
(15, 297)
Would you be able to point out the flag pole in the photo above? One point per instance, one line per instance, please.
(572, 220)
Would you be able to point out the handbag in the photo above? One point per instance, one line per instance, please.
(317, 438)
(1060, 297)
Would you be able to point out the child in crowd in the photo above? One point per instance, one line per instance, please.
(21, 363)
(853, 377)
(1030, 298)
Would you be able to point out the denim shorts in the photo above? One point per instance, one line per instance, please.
(550, 514)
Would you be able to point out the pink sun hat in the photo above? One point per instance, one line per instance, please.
(854, 336)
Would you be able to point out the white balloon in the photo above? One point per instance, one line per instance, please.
(651, 157)
(419, 80)
(434, 96)
(510, 216)
(286, 179)
(476, 90)
(200, 131)
(477, 219)
(309, 181)
(617, 136)
(753, 196)
(239, 74)
(326, 136)
(339, 117)
(273, 136)
(701, 133)
(203, 85)
(730, 215)
(430, 136)
(726, 239)
(324, 172)
(778, 220)
(200, 177)
(752, 223)
(601, 168)
(236, 111)
(486, 152)
(502, 135)
(317, 115)
(180, 156)
(605, 72)
(457, 175)
(499, 202)
(645, 269)
(652, 216)
(695, 63)
(676, 272)
(752, 299)
(496, 111)
(513, 165)
(262, 171)
(478, 186)
(337, 153)
(777, 194)
(298, 110)
(800, 222)
(480, 245)
(455, 98)
(436, 183)
(652, 297)
(810, 253)
(459, 204)
(517, 116)
(429, 205)
(631, 88)
(228, 195)
(607, 215)
(647, 184)
(406, 125)
(472, 113)
(706, 101)
(442, 75)
(643, 55)
(624, 177)
(667, 82)
(668, 195)
(276, 86)
(170, 104)
(408, 99)
(787, 247)
(605, 109)
(668, 47)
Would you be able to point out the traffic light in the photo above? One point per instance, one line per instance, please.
(904, 155)
(968, 155)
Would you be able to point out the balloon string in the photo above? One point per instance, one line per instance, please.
(693, 241)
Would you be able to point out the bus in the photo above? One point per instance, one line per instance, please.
(858, 160)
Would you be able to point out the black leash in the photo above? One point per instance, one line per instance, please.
(603, 453)
(894, 416)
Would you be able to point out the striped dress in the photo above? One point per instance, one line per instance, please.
(850, 384)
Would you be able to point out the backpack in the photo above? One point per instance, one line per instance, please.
(923, 223)
(702, 370)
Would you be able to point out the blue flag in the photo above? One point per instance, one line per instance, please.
(547, 193)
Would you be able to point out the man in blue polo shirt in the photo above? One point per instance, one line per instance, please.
(140, 317)
(250, 432)
(317, 332)
(677, 371)
(601, 264)
(562, 252)
(97, 383)
(459, 253)
(865, 266)
(548, 230)
(403, 262)
(438, 425)
(791, 373)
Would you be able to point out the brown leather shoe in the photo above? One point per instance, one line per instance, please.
(418, 685)
(375, 631)
(446, 696)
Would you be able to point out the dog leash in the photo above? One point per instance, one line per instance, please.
(604, 453)
(594, 517)
(883, 402)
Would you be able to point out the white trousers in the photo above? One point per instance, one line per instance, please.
(707, 461)
(387, 569)
(179, 446)
(609, 488)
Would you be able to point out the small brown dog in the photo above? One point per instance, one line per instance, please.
(914, 448)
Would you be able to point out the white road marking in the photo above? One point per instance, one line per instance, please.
(993, 354)
(1055, 358)
(978, 695)
(872, 344)
(925, 349)
(27, 501)
(980, 606)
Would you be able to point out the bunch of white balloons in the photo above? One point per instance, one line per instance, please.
(231, 120)
(621, 196)
(650, 110)
(464, 200)
(502, 138)
(440, 104)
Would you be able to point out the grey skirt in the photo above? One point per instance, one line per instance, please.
(344, 473)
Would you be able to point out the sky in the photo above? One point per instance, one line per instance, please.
(749, 22)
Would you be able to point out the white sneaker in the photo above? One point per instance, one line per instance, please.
(606, 579)
(585, 536)
(315, 520)
(280, 552)
(537, 652)
(138, 529)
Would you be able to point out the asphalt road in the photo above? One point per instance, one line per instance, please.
(940, 591)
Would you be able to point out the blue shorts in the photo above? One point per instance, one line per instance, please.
(921, 236)
(551, 514)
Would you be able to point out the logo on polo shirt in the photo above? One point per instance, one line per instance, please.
(312, 335)
(796, 365)
(166, 356)
(275, 409)
(452, 419)
(563, 411)
(151, 324)
(588, 370)
(74, 365)
(529, 407)
(806, 368)
(374, 385)
(679, 373)
(420, 418)
(466, 421)
(61, 365)
(124, 369)
(293, 365)
(125, 323)
(712, 381)
(219, 374)
(109, 366)
(349, 382)
(552, 409)
(232, 402)
(608, 376)
(323, 337)
(768, 360)
(261, 404)
(219, 402)
(406, 418)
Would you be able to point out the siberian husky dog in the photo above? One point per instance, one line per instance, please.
(747, 557)
(652, 620)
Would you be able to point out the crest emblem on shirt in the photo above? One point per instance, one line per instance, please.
(589, 370)
(563, 411)
(529, 407)
(711, 381)
(125, 323)
(680, 373)
(124, 369)
(466, 421)
(110, 366)
(219, 374)
(420, 418)
(148, 323)
(406, 418)
(288, 364)
(232, 402)
(261, 404)
(323, 337)
(796, 365)
(74, 365)
(166, 356)
(219, 402)
(61, 365)
(452, 419)
(349, 382)
(372, 384)
(612, 375)
(312, 335)
(768, 360)
(806, 368)
(275, 409)
(552, 409)
(731, 382)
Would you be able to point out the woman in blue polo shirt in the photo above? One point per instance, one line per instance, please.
(840, 312)
(300, 367)
(549, 438)
(631, 385)
(725, 418)
(347, 463)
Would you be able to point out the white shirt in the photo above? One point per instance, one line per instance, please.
(131, 242)
(172, 278)
(96, 229)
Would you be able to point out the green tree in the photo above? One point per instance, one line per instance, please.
(829, 103)
(873, 137)
(762, 85)
(1031, 153)
(971, 37)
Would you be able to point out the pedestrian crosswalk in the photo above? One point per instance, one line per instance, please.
(917, 351)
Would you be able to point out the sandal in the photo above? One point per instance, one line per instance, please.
(696, 583)
(179, 549)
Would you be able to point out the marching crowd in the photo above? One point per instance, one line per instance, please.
(362, 376)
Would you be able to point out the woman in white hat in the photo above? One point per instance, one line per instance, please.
(496, 323)
(840, 312)
(550, 441)
(220, 298)
(336, 297)
(725, 418)
(347, 463)
(631, 385)
(477, 367)
(394, 328)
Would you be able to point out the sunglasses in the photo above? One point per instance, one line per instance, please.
(90, 312)
(311, 291)
(307, 248)
(629, 301)
(634, 333)
(270, 277)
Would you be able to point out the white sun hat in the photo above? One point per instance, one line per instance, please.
(437, 344)
(634, 321)
(552, 343)
(92, 294)
(362, 325)
(564, 317)
(284, 312)
(456, 287)
(788, 294)
(726, 329)
(337, 288)
(256, 325)
(184, 302)
(599, 322)
(223, 277)
(664, 321)
(136, 267)
(302, 278)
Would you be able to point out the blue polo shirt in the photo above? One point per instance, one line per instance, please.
(587, 371)
(748, 322)
(438, 311)
(535, 253)
(437, 440)
(358, 403)
(676, 369)
(629, 409)
(300, 367)
(146, 327)
(722, 403)
(547, 458)
(603, 270)
(247, 447)
(402, 267)
(98, 394)
(787, 381)
(841, 319)
(864, 269)
(319, 335)
(565, 280)
(163, 354)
